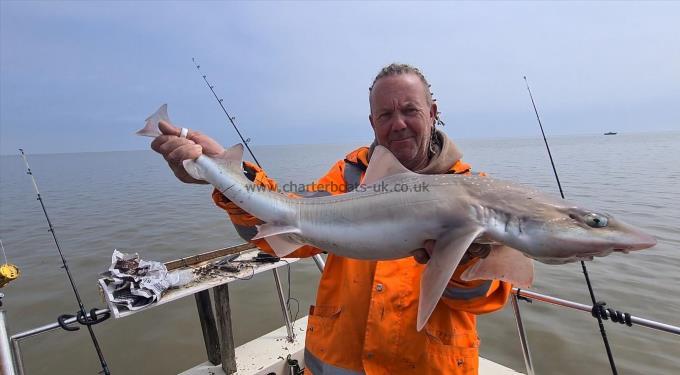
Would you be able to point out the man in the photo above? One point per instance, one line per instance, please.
(364, 320)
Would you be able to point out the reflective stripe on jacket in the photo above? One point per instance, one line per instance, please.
(364, 319)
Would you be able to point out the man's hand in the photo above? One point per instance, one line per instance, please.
(175, 149)
(476, 250)
(423, 254)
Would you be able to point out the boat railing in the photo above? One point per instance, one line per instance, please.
(12, 362)
(218, 342)
(607, 314)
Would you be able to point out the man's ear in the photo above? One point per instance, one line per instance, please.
(370, 119)
(433, 111)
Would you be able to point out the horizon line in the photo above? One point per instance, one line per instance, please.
(538, 136)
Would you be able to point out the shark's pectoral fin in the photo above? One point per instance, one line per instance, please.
(445, 257)
(278, 237)
(503, 263)
(283, 244)
(268, 230)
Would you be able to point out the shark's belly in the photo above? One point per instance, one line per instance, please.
(378, 241)
(379, 231)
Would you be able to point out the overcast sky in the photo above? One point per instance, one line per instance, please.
(79, 76)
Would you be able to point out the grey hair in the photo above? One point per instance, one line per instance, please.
(398, 69)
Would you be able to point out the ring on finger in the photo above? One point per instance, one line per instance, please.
(183, 133)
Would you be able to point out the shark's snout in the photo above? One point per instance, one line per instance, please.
(627, 237)
(639, 242)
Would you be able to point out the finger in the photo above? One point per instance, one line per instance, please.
(421, 256)
(210, 146)
(473, 248)
(486, 249)
(479, 250)
(188, 151)
(168, 129)
(158, 143)
(162, 142)
(428, 245)
(172, 144)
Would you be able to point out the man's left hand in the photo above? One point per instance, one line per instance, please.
(475, 250)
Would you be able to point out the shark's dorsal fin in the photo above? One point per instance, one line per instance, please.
(382, 164)
(233, 153)
(229, 159)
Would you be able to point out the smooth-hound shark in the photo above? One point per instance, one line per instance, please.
(389, 217)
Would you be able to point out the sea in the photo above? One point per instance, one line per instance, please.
(131, 201)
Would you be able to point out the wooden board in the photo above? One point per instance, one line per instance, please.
(222, 277)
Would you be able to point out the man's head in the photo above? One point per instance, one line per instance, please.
(403, 113)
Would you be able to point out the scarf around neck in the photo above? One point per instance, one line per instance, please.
(446, 154)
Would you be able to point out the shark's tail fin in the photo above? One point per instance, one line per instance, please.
(206, 168)
(150, 128)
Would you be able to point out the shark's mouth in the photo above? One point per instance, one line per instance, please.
(574, 258)
(597, 247)
(639, 242)
(624, 249)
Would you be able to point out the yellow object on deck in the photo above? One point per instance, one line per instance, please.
(8, 272)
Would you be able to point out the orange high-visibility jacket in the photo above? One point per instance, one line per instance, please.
(364, 320)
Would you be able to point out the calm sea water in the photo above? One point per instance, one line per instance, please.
(131, 201)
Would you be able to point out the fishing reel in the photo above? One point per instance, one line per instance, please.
(8, 272)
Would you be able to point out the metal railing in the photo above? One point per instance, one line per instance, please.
(607, 314)
(6, 365)
(11, 361)
(15, 339)
(14, 361)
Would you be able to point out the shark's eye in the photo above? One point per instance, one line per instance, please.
(595, 220)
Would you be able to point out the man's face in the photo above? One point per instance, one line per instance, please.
(402, 118)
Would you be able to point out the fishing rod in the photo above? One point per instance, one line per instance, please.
(597, 306)
(82, 316)
(231, 119)
(317, 258)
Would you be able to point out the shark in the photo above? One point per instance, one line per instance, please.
(395, 211)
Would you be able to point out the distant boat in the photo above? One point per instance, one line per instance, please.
(610, 133)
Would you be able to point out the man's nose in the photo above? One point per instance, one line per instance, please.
(398, 123)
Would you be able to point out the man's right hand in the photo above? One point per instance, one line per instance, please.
(175, 149)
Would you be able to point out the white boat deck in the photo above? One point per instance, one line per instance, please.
(267, 354)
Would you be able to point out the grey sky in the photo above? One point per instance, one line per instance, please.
(78, 76)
